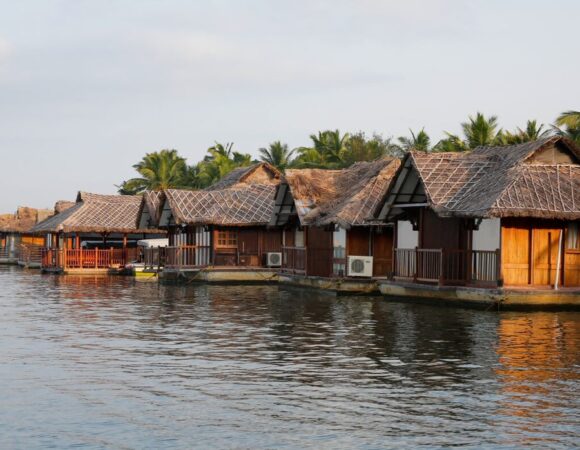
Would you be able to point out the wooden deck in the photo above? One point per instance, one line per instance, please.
(94, 260)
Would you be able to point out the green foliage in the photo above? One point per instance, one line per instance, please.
(531, 132)
(330, 149)
(568, 125)
(419, 141)
(277, 154)
(219, 161)
(159, 170)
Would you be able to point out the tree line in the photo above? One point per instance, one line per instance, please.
(332, 149)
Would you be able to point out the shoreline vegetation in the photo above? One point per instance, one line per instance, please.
(331, 149)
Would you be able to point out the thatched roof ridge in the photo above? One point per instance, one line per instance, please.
(248, 175)
(62, 205)
(97, 213)
(346, 197)
(243, 206)
(23, 220)
(501, 182)
(153, 201)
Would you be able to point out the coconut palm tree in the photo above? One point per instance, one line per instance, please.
(159, 170)
(420, 141)
(569, 119)
(532, 132)
(568, 125)
(481, 130)
(329, 149)
(277, 154)
(220, 160)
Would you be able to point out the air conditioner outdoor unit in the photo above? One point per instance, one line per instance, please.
(274, 259)
(360, 266)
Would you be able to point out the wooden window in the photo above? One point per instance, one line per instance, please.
(227, 239)
(573, 236)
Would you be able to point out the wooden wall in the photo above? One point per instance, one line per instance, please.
(447, 233)
(375, 242)
(529, 253)
(319, 252)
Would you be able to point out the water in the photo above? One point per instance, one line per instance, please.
(113, 363)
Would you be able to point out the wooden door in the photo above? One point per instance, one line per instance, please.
(358, 241)
(319, 252)
(446, 233)
(545, 255)
(515, 253)
(382, 252)
(248, 247)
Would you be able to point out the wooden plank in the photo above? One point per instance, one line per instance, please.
(515, 253)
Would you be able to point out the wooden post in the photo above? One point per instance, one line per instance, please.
(441, 271)
(416, 271)
(498, 268)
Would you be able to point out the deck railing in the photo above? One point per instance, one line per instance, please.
(30, 255)
(447, 267)
(294, 260)
(6, 253)
(58, 258)
(187, 256)
(154, 257)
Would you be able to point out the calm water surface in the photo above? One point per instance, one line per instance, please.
(114, 363)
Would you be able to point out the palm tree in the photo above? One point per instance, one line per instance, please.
(569, 119)
(452, 143)
(220, 160)
(420, 141)
(568, 125)
(481, 131)
(329, 149)
(277, 154)
(159, 170)
(361, 148)
(532, 132)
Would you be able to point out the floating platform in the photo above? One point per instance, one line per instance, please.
(345, 286)
(500, 298)
(85, 271)
(237, 275)
(8, 261)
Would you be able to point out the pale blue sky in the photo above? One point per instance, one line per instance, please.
(87, 87)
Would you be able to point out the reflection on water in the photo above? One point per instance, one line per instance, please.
(111, 362)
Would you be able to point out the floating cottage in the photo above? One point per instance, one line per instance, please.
(17, 243)
(330, 239)
(497, 223)
(97, 233)
(222, 228)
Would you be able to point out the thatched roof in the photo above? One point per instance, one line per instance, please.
(96, 213)
(515, 181)
(62, 205)
(244, 197)
(347, 197)
(259, 173)
(250, 205)
(23, 220)
(153, 206)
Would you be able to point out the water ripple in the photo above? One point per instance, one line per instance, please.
(108, 362)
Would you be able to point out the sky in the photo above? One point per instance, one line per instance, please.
(88, 87)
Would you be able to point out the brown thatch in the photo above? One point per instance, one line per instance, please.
(346, 197)
(23, 220)
(250, 205)
(95, 213)
(62, 205)
(259, 173)
(502, 181)
(244, 197)
(154, 204)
